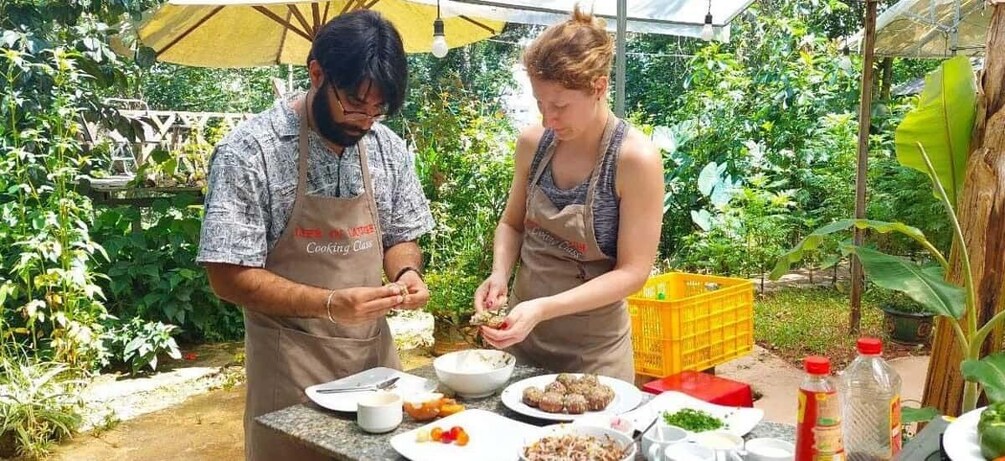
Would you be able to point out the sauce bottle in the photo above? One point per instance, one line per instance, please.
(818, 424)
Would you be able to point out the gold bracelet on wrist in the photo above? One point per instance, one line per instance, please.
(328, 305)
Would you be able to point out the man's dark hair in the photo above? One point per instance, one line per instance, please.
(361, 46)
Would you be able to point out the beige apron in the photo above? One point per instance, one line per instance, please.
(330, 243)
(560, 252)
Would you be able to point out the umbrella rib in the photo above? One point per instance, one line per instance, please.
(324, 17)
(371, 4)
(282, 43)
(478, 23)
(315, 16)
(281, 21)
(347, 7)
(189, 30)
(301, 19)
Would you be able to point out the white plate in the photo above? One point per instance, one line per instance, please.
(626, 397)
(346, 401)
(492, 437)
(741, 420)
(960, 437)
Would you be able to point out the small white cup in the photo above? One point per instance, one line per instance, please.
(727, 446)
(379, 412)
(768, 449)
(687, 452)
(659, 437)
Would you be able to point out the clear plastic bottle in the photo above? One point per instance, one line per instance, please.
(818, 424)
(870, 390)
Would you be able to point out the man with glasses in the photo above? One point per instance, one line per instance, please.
(310, 205)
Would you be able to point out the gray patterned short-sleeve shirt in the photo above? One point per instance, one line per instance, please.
(253, 184)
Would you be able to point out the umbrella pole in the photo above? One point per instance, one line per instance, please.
(619, 76)
(864, 122)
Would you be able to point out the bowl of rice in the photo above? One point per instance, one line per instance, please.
(474, 373)
(570, 442)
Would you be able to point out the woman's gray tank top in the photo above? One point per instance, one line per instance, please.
(606, 211)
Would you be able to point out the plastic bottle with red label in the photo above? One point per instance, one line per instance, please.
(870, 392)
(818, 424)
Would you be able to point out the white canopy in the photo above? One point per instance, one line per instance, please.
(665, 17)
(932, 28)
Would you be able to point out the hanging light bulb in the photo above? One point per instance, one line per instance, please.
(439, 39)
(706, 30)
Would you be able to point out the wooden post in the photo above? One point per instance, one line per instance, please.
(981, 212)
(864, 122)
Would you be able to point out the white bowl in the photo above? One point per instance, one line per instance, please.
(474, 373)
(618, 423)
(619, 438)
(768, 449)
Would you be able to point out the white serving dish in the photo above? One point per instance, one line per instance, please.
(492, 437)
(626, 397)
(740, 420)
(346, 401)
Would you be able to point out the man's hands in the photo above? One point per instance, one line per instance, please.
(359, 305)
(364, 304)
(416, 294)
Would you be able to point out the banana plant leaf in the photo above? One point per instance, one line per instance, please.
(942, 123)
(816, 238)
(990, 373)
(925, 285)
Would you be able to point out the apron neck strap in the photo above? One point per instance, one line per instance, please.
(605, 146)
(304, 154)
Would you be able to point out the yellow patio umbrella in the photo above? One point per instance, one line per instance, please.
(247, 33)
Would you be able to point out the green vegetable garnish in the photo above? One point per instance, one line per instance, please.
(991, 431)
(693, 420)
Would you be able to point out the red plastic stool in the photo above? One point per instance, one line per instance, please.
(710, 388)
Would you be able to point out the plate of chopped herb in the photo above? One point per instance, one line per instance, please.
(695, 415)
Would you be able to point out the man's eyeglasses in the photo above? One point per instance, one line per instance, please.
(354, 115)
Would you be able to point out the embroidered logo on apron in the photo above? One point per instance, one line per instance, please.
(337, 241)
(573, 248)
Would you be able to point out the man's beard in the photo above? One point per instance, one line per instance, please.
(342, 134)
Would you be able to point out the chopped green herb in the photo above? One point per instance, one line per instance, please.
(693, 420)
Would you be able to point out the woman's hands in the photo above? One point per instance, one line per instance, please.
(519, 323)
(491, 295)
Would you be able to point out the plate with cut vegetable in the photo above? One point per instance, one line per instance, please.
(695, 415)
(470, 434)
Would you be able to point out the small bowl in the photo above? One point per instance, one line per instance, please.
(619, 438)
(618, 423)
(474, 373)
(768, 449)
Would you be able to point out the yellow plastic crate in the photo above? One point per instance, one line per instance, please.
(702, 321)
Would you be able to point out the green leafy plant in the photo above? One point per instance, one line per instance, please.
(451, 295)
(138, 343)
(46, 251)
(898, 301)
(947, 98)
(38, 402)
(152, 274)
(465, 168)
(745, 232)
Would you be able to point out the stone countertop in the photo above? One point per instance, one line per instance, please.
(336, 434)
